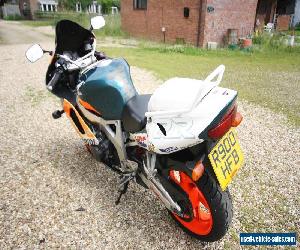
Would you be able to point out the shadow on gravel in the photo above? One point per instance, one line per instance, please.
(139, 212)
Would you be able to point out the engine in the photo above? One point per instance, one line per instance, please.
(105, 151)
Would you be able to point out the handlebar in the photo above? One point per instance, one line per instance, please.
(62, 65)
(57, 74)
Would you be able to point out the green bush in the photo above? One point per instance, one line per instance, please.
(258, 39)
(273, 42)
(53, 17)
(107, 4)
(14, 17)
(111, 28)
(185, 49)
(265, 44)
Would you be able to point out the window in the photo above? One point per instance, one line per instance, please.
(186, 12)
(140, 4)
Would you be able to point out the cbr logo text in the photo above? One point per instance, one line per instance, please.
(90, 141)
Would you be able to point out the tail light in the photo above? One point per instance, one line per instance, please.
(231, 119)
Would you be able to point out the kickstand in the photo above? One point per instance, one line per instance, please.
(126, 178)
(122, 191)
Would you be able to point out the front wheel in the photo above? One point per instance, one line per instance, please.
(208, 209)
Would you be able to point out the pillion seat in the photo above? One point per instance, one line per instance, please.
(133, 116)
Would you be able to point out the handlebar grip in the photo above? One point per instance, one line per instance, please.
(54, 80)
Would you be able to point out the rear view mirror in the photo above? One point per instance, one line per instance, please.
(34, 53)
(97, 22)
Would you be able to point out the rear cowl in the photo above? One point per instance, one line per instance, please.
(190, 128)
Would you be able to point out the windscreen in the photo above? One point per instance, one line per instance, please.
(70, 37)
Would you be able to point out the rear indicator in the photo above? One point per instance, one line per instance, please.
(231, 119)
(197, 171)
(237, 119)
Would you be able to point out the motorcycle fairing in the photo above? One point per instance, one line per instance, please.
(107, 87)
(88, 107)
(183, 131)
(70, 36)
(165, 134)
(79, 124)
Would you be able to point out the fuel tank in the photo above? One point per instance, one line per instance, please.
(107, 87)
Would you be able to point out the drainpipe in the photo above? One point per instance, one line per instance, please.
(199, 23)
(201, 20)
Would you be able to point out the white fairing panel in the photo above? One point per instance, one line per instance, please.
(180, 109)
(182, 130)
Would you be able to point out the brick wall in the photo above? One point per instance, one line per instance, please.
(164, 13)
(283, 22)
(227, 14)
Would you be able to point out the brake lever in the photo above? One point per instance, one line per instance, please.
(48, 51)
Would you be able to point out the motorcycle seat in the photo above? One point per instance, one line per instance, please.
(133, 115)
(184, 92)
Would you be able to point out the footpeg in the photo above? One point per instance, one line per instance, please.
(57, 114)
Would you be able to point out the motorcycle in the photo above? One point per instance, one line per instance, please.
(179, 142)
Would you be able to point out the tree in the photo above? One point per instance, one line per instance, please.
(107, 4)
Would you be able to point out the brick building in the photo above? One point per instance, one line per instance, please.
(282, 13)
(198, 22)
(195, 22)
(29, 7)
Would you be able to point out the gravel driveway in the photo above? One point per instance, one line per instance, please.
(54, 195)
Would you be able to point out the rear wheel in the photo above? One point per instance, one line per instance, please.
(208, 209)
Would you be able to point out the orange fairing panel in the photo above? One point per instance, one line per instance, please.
(78, 123)
(67, 106)
(88, 106)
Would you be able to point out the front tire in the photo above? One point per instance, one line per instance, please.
(210, 207)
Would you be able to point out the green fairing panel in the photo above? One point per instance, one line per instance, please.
(108, 87)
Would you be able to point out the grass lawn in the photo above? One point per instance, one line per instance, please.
(269, 79)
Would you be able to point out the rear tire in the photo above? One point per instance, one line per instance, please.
(213, 202)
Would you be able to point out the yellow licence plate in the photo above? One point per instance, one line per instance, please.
(226, 158)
